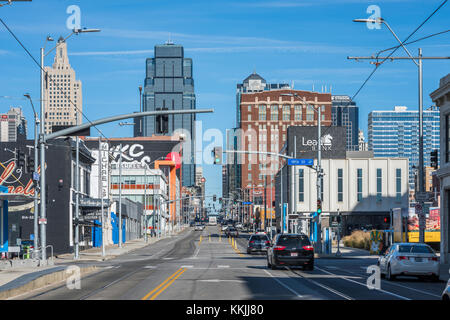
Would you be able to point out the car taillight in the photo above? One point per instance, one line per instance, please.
(279, 248)
(433, 259)
(308, 248)
(252, 241)
(267, 242)
(402, 258)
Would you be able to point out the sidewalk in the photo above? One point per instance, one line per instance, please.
(346, 253)
(18, 280)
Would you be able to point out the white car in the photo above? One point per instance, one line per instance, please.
(446, 293)
(409, 259)
(224, 228)
(199, 227)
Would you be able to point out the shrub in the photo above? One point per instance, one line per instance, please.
(358, 239)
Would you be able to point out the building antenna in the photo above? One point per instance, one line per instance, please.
(169, 41)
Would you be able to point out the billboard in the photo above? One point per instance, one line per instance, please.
(433, 225)
(333, 142)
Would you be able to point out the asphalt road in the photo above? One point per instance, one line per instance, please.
(203, 265)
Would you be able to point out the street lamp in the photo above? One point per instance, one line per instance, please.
(42, 136)
(36, 203)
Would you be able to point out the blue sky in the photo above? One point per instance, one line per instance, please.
(304, 42)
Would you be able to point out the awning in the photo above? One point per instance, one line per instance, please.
(15, 197)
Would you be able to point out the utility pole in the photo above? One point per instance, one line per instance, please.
(77, 199)
(100, 176)
(319, 179)
(145, 203)
(120, 197)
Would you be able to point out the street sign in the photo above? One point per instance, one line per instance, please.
(246, 202)
(42, 221)
(422, 196)
(36, 176)
(300, 162)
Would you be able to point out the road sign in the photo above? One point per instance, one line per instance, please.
(246, 202)
(300, 162)
(422, 196)
(36, 176)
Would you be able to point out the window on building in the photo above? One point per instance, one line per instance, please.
(301, 185)
(286, 112)
(298, 112)
(274, 112)
(340, 186)
(359, 185)
(379, 184)
(310, 113)
(398, 184)
(249, 118)
(262, 112)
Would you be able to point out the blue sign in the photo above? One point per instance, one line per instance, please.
(300, 162)
(246, 202)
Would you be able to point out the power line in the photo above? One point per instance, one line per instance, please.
(396, 48)
(49, 77)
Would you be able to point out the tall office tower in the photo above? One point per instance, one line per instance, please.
(62, 95)
(13, 126)
(264, 112)
(344, 112)
(395, 133)
(169, 86)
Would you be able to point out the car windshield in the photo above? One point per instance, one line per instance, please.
(414, 249)
(293, 241)
(259, 238)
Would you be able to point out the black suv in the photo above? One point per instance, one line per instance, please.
(290, 250)
(258, 242)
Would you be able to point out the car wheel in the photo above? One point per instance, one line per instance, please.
(389, 275)
(434, 278)
(309, 267)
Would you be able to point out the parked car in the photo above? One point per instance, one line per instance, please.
(232, 232)
(224, 228)
(446, 293)
(290, 250)
(258, 242)
(409, 259)
(239, 226)
(199, 227)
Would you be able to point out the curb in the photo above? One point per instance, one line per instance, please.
(41, 279)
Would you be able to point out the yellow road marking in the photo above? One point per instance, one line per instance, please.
(174, 276)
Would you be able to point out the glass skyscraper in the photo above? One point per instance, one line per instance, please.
(169, 86)
(396, 134)
(345, 112)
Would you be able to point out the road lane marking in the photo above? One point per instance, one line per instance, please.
(287, 287)
(164, 285)
(324, 286)
(221, 280)
(189, 266)
(364, 284)
(222, 266)
(396, 284)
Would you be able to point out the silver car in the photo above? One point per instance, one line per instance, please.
(409, 259)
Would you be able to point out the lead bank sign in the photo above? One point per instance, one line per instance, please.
(326, 143)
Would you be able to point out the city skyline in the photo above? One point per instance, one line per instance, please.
(225, 53)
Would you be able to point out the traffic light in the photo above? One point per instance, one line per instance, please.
(214, 198)
(20, 159)
(387, 220)
(319, 206)
(217, 151)
(434, 158)
(30, 164)
(162, 122)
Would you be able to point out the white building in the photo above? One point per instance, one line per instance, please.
(361, 188)
(147, 186)
(441, 97)
(13, 125)
(63, 95)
